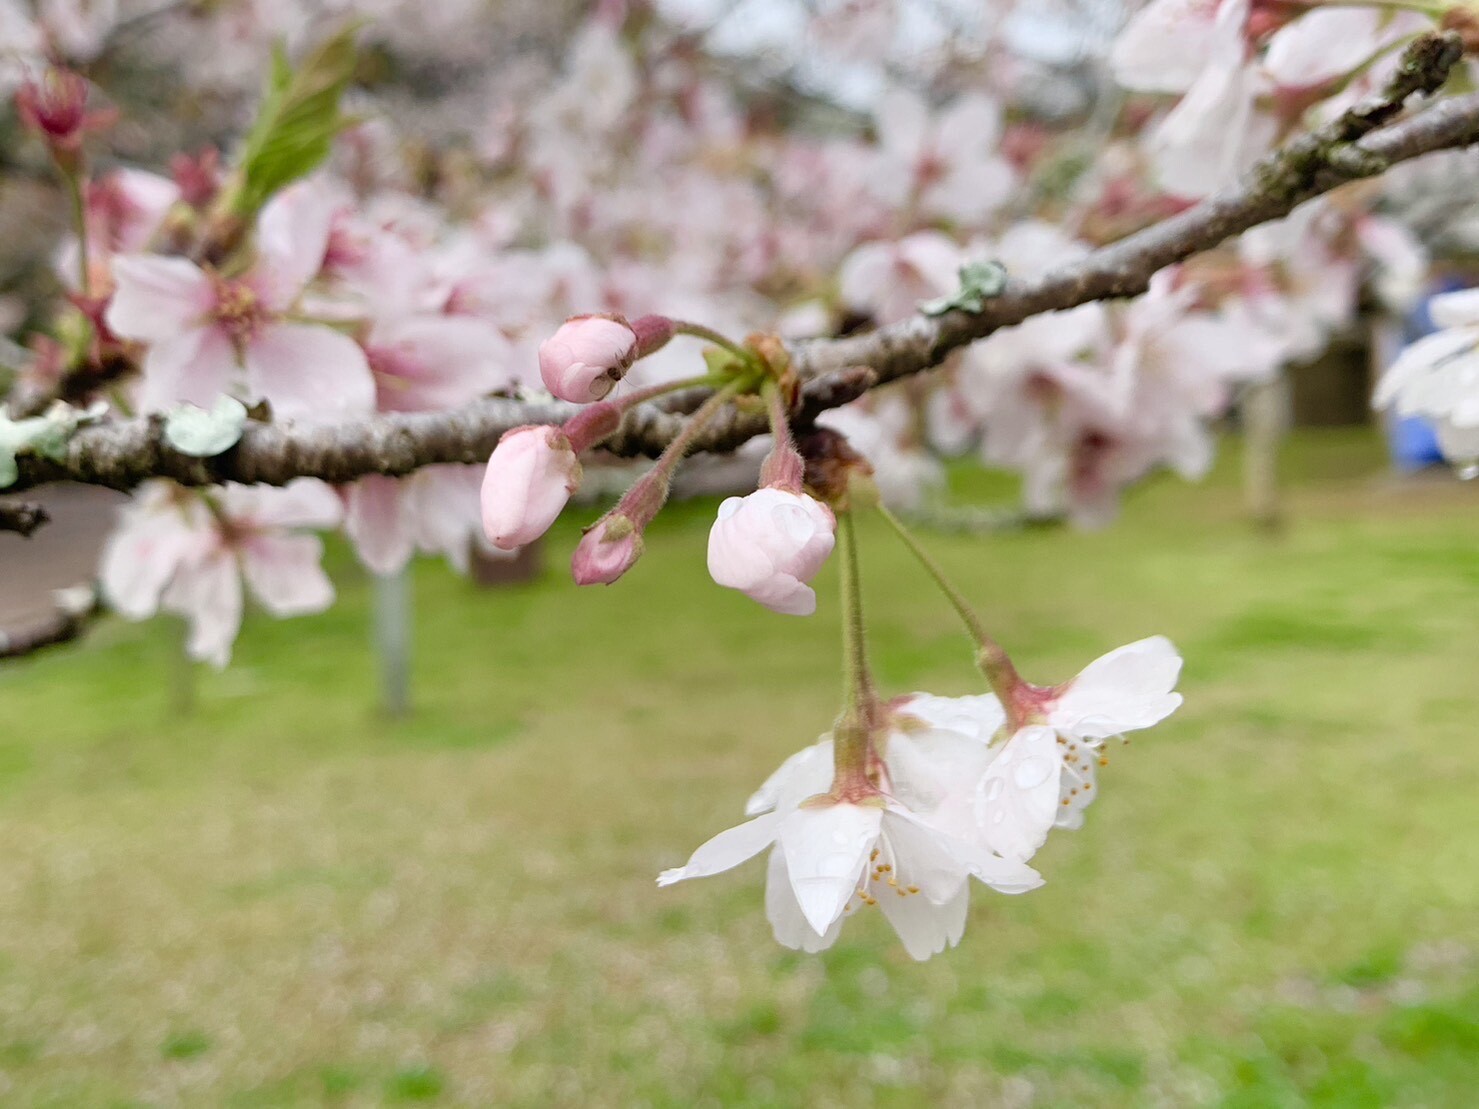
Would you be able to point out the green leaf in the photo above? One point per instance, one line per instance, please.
(203, 433)
(979, 282)
(297, 121)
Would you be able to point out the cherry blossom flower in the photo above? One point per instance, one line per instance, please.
(947, 164)
(187, 553)
(831, 858)
(435, 510)
(1437, 378)
(1042, 773)
(769, 544)
(209, 334)
(887, 280)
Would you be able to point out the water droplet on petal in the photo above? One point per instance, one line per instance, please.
(998, 816)
(1031, 771)
(993, 789)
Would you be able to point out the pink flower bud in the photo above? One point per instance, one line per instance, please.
(769, 545)
(55, 106)
(530, 477)
(607, 551)
(586, 357)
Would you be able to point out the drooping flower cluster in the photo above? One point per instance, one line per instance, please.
(960, 789)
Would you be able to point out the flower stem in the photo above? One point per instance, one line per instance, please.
(783, 468)
(850, 736)
(709, 335)
(990, 656)
(652, 392)
(673, 453)
(857, 690)
(73, 181)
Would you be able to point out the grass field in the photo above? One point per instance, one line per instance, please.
(283, 900)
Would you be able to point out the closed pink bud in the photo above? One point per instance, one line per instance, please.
(55, 105)
(607, 551)
(529, 479)
(769, 545)
(586, 357)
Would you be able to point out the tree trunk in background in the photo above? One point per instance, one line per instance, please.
(1265, 410)
(393, 640)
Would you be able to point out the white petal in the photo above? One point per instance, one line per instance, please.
(826, 849)
(1017, 798)
(285, 574)
(784, 912)
(1456, 309)
(208, 595)
(1127, 689)
(804, 774)
(726, 850)
(923, 857)
(926, 928)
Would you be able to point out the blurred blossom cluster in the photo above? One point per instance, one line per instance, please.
(625, 164)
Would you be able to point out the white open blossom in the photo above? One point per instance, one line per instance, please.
(1043, 774)
(898, 850)
(1437, 378)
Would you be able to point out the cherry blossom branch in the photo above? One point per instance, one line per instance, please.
(1362, 142)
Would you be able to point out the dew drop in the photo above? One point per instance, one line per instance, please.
(993, 789)
(998, 816)
(1031, 772)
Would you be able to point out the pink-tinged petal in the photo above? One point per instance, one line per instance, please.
(292, 238)
(1128, 689)
(826, 849)
(148, 198)
(1164, 47)
(1324, 44)
(304, 502)
(429, 362)
(726, 850)
(530, 477)
(769, 545)
(377, 520)
(445, 511)
(784, 912)
(308, 372)
(194, 367)
(1017, 798)
(925, 928)
(142, 556)
(208, 594)
(285, 574)
(157, 298)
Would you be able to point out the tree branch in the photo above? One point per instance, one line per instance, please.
(1360, 143)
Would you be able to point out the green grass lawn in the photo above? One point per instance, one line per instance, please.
(284, 900)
